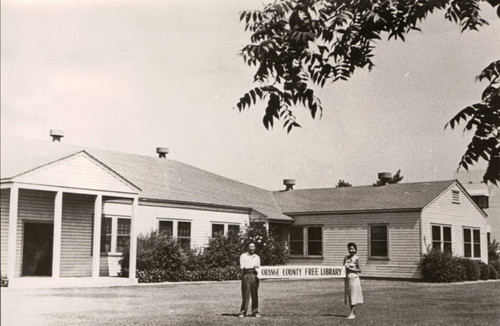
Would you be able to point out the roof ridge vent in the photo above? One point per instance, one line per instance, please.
(162, 152)
(289, 183)
(56, 134)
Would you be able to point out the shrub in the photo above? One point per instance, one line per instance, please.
(223, 251)
(493, 273)
(4, 281)
(484, 271)
(270, 246)
(437, 266)
(160, 258)
(493, 250)
(155, 251)
(471, 269)
(496, 265)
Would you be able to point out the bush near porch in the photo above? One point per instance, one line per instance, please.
(160, 258)
(4, 281)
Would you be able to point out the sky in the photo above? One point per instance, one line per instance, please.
(131, 76)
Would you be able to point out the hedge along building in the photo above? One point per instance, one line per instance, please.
(68, 211)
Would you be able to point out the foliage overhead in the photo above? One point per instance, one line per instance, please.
(299, 44)
(484, 117)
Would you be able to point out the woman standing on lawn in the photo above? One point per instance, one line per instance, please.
(352, 291)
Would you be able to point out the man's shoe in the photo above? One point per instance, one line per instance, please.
(257, 315)
(241, 316)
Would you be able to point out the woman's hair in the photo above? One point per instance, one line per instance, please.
(352, 244)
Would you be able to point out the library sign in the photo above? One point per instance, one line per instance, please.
(301, 271)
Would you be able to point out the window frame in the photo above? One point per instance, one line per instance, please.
(226, 227)
(114, 234)
(481, 201)
(305, 241)
(370, 256)
(175, 228)
(472, 242)
(441, 234)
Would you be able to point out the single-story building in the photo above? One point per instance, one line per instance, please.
(67, 211)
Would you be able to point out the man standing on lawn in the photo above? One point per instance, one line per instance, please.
(249, 263)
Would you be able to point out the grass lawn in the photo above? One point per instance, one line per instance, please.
(305, 302)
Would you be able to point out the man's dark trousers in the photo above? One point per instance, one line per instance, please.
(250, 288)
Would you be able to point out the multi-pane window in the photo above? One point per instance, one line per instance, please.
(233, 229)
(225, 229)
(379, 241)
(106, 233)
(472, 243)
(296, 241)
(217, 229)
(115, 234)
(441, 238)
(481, 201)
(167, 228)
(184, 234)
(314, 241)
(307, 240)
(122, 234)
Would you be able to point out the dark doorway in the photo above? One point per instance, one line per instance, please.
(37, 249)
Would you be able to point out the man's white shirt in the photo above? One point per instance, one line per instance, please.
(249, 261)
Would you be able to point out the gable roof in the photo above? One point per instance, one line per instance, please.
(65, 172)
(159, 179)
(404, 196)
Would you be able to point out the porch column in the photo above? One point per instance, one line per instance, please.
(96, 251)
(11, 251)
(133, 240)
(56, 257)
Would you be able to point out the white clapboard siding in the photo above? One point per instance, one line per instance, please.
(443, 211)
(4, 213)
(77, 235)
(117, 208)
(78, 171)
(338, 230)
(201, 220)
(33, 205)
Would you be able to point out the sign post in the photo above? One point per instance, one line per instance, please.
(301, 271)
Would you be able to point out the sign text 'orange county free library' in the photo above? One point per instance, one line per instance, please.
(302, 271)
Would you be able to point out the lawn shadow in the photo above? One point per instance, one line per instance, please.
(230, 315)
(334, 315)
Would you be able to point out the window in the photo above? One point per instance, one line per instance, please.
(217, 229)
(441, 238)
(166, 227)
(472, 243)
(115, 234)
(106, 234)
(481, 201)
(379, 242)
(122, 234)
(233, 229)
(184, 234)
(314, 241)
(455, 197)
(306, 241)
(181, 230)
(225, 229)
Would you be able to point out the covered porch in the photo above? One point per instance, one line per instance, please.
(51, 219)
